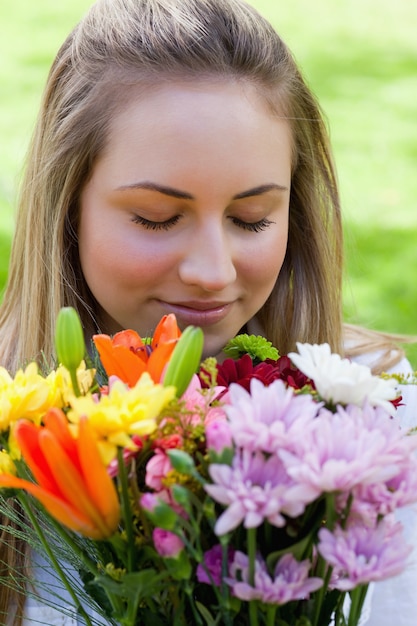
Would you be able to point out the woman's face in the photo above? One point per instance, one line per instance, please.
(186, 211)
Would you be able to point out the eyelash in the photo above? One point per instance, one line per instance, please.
(255, 227)
(149, 225)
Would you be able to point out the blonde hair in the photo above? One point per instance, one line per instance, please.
(13, 568)
(125, 44)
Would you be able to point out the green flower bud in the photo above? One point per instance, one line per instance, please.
(181, 461)
(185, 359)
(181, 496)
(69, 339)
(158, 511)
(69, 343)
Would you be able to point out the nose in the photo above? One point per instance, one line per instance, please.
(208, 261)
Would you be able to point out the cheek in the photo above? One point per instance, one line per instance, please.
(112, 256)
(262, 264)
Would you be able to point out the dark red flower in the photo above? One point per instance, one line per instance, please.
(242, 371)
(291, 375)
(231, 371)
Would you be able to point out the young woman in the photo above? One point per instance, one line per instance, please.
(180, 164)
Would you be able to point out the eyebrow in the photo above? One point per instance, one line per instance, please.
(184, 195)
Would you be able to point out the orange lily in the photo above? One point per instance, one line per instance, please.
(72, 483)
(128, 357)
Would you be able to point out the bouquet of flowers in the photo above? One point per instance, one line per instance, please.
(261, 490)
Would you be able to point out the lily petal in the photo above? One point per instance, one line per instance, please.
(98, 483)
(70, 481)
(27, 437)
(57, 423)
(130, 339)
(159, 358)
(166, 330)
(127, 357)
(58, 508)
(119, 360)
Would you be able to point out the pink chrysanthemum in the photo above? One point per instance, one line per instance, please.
(361, 554)
(353, 447)
(268, 417)
(255, 489)
(289, 582)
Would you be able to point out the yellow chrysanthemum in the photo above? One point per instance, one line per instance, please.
(61, 385)
(6, 464)
(122, 413)
(85, 377)
(27, 395)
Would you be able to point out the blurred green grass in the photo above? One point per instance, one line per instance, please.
(359, 57)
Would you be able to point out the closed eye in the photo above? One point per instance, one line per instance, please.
(254, 227)
(150, 225)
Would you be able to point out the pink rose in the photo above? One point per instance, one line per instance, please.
(166, 543)
(156, 469)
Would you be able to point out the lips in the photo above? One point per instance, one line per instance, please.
(198, 313)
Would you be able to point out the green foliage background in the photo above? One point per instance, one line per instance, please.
(360, 58)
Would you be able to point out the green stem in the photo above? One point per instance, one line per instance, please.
(74, 381)
(338, 616)
(251, 538)
(253, 604)
(270, 615)
(88, 563)
(346, 512)
(48, 550)
(358, 598)
(330, 511)
(322, 572)
(127, 511)
(253, 613)
(196, 614)
(66, 537)
(319, 595)
(227, 620)
(196, 555)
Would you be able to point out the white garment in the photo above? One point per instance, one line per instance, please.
(389, 603)
(394, 601)
(46, 613)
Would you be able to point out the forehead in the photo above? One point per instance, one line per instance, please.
(208, 103)
(179, 127)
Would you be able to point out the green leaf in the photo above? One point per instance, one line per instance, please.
(133, 585)
(149, 617)
(296, 549)
(179, 567)
(304, 621)
(205, 613)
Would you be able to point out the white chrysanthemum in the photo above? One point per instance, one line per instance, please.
(341, 381)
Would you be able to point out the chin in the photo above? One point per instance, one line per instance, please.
(213, 349)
